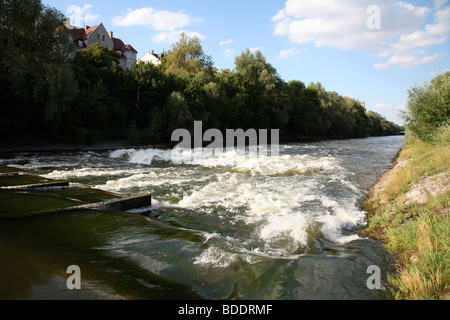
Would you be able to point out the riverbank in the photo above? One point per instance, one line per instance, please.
(408, 210)
(61, 147)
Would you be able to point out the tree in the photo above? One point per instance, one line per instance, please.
(186, 56)
(305, 117)
(256, 70)
(34, 74)
(235, 112)
(380, 126)
(260, 80)
(108, 93)
(428, 106)
(149, 117)
(361, 118)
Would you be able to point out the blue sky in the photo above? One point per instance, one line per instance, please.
(374, 54)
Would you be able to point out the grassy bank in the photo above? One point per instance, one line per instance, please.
(409, 211)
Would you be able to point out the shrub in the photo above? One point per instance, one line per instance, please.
(429, 107)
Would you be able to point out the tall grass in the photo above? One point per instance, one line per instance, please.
(442, 135)
(426, 275)
(418, 233)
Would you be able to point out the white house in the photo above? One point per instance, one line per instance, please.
(152, 57)
(127, 52)
(84, 37)
(98, 34)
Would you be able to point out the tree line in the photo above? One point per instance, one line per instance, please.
(47, 96)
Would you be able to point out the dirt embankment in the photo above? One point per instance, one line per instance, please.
(391, 193)
(419, 192)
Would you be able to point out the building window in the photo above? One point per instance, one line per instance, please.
(98, 36)
(80, 43)
(103, 38)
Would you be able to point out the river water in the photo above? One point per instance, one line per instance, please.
(229, 227)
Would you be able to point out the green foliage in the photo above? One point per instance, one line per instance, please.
(442, 135)
(305, 116)
(262, 91)
(34, 73)
(107, 93)
(90, 97)
(429, 107)
(186, 56)
(344, 117)
(254, 68)
(379, 126)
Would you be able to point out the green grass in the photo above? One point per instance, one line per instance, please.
(418, 233)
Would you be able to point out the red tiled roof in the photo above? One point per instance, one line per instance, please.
(78, 34)
(119, 45)
(90, 29)
(130, 48)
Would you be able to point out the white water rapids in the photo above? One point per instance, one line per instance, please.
(290, 221)
(286, 198)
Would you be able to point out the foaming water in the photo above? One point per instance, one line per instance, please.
(279, 198)
(281, 216)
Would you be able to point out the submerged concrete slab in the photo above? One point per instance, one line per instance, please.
(123, 204)
(35, 195)
(26, 181)
(9, 174)
(7, 169)
(38, 186)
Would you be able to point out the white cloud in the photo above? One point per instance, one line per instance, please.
(174, 35)
(169, 24)
(170, 36)
(290, 52)
(439, 3)
(343, 24)
(159, 20)
(254, 49)
(382, 105)
(225, 42)
(407, 60)
(192, 34)
(79, 16)
(229, 53)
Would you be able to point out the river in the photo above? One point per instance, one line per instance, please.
(230, 227)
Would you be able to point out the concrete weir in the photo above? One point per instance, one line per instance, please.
(39, 186)
(27, 195)
(120, 204)
(8, 174)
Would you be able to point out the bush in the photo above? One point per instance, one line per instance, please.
(429, 107)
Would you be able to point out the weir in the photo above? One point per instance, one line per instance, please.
(43, 197)
(38, 186)
(120, 204)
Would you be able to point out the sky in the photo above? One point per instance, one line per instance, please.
(370, 50)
